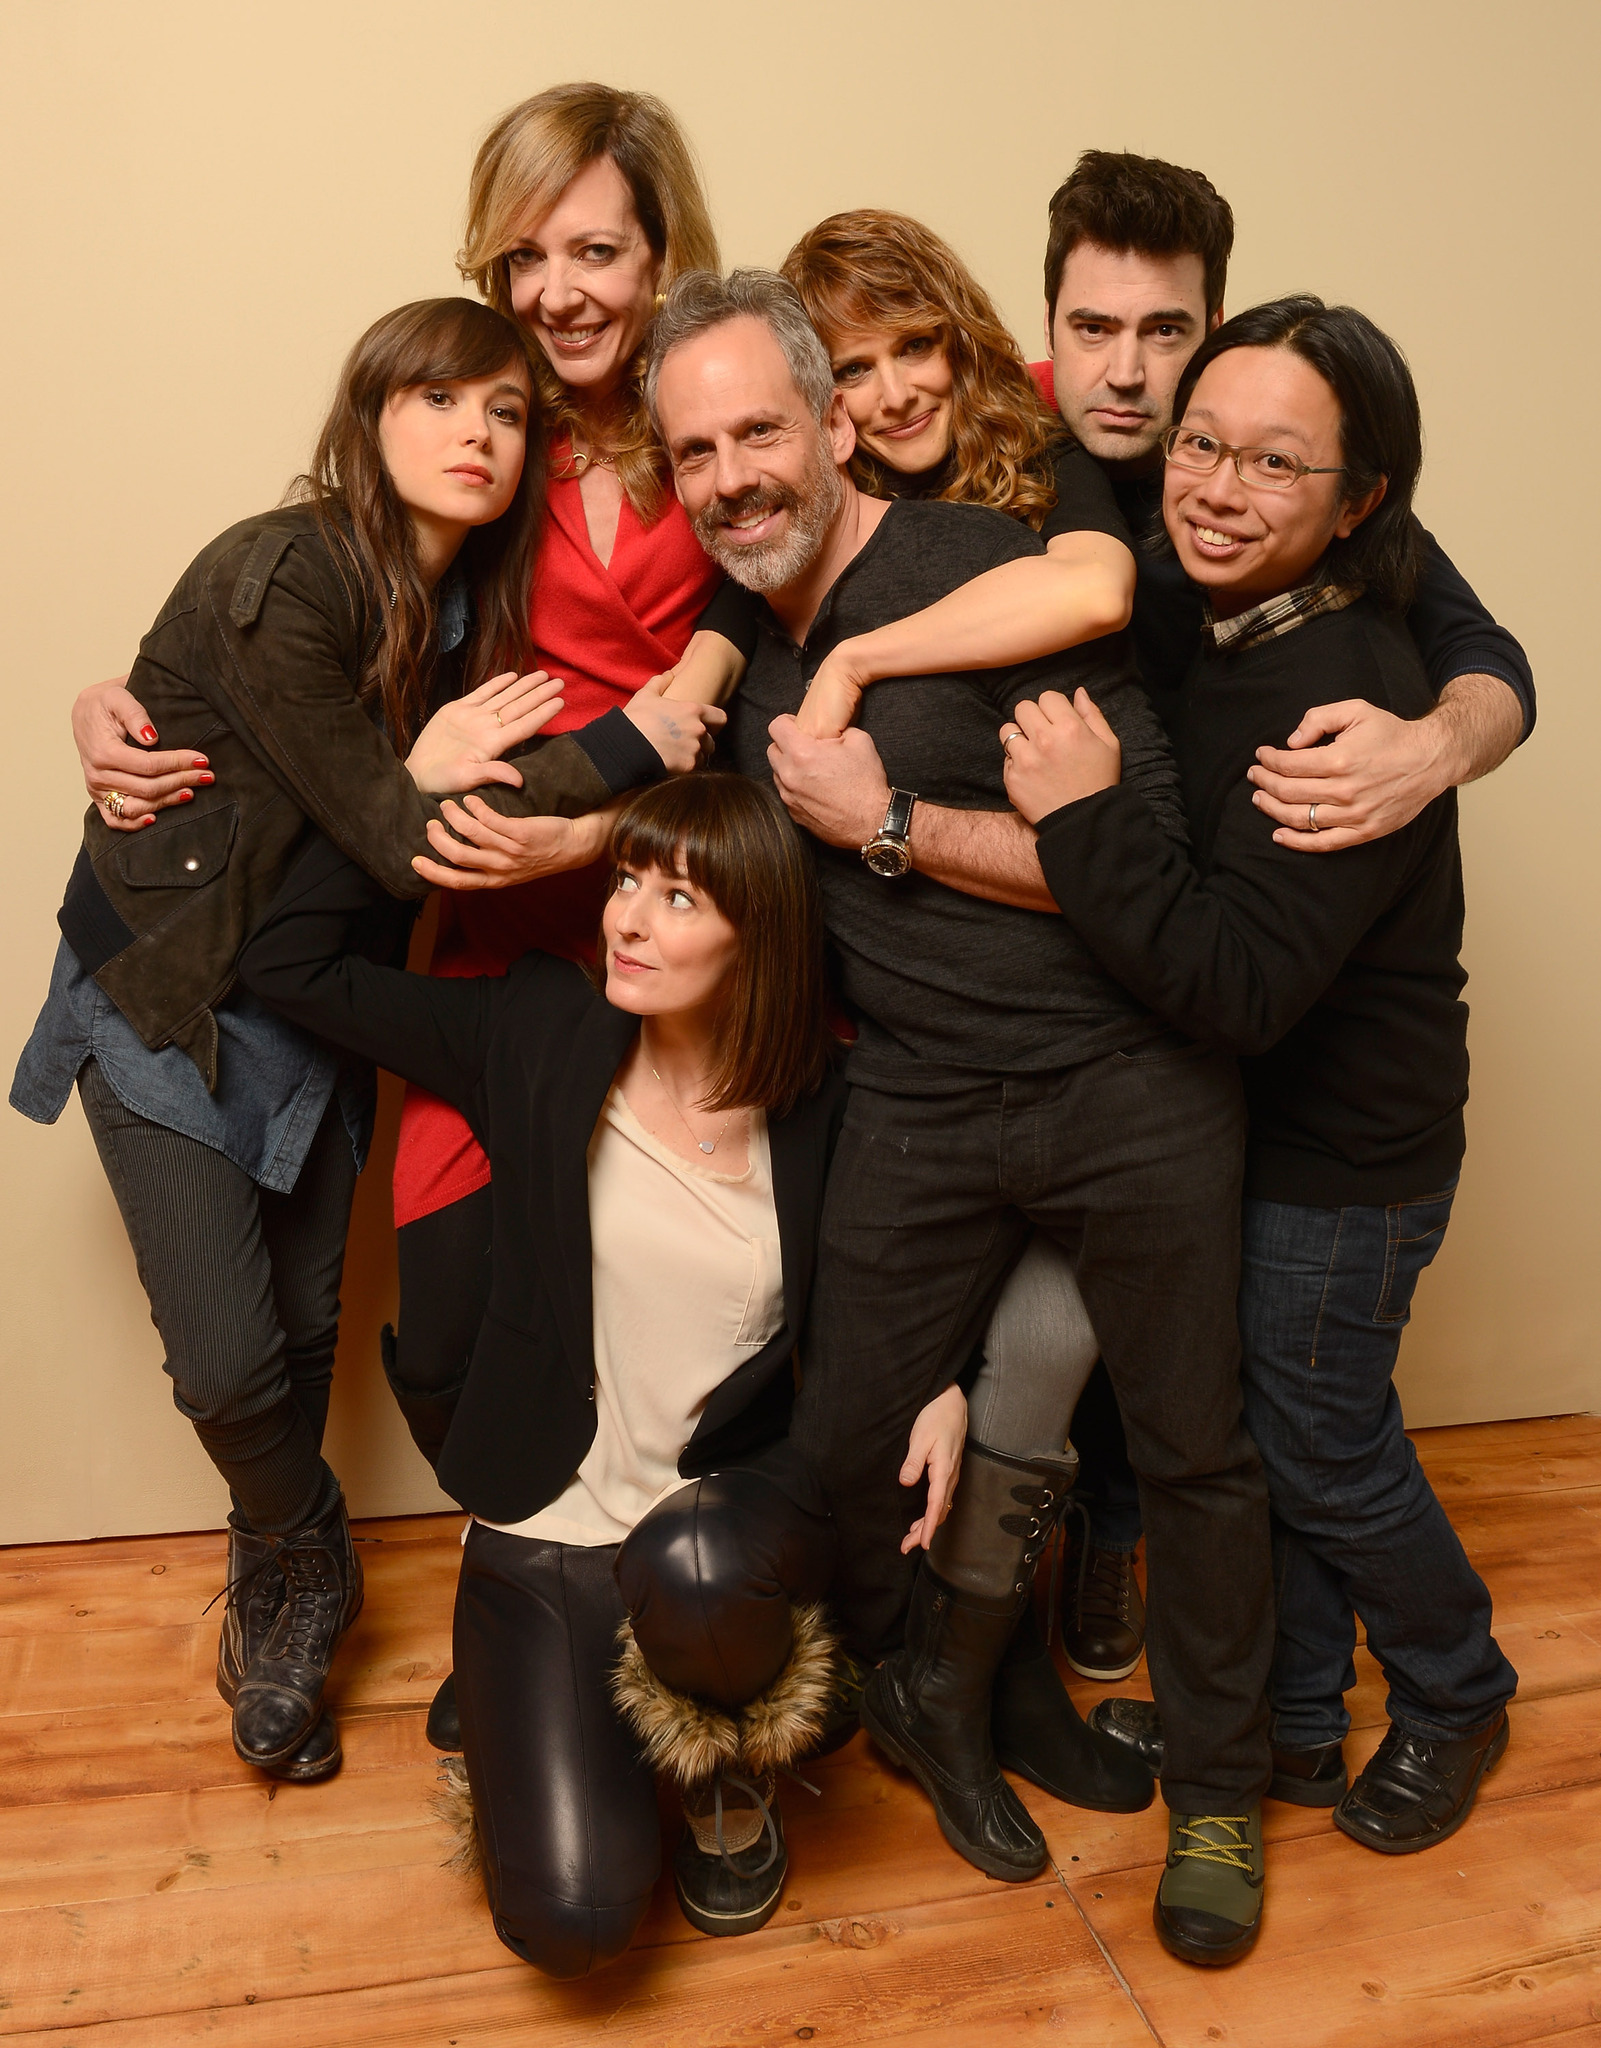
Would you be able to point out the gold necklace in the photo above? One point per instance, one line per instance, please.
(705, 1144)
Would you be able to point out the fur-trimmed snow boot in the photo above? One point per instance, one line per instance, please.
(732, 1861)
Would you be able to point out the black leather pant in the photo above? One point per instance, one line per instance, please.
(566, 1807)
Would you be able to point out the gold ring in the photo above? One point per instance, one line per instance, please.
(114, 801)
(1312, 824)
(499, 720)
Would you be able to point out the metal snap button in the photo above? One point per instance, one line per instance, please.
(191, 865)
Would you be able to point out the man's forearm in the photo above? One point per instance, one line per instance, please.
(1483, 721)
(983, 853)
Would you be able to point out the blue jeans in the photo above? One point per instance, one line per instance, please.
(1324, 1297)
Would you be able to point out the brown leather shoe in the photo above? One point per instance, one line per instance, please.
(1103, 1616)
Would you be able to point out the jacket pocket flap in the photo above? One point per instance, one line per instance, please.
(183, 855)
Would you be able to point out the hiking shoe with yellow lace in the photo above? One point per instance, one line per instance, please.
(1209, 1904)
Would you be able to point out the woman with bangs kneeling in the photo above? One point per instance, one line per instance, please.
(659, 1147)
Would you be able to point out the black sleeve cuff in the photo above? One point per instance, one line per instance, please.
(733, 613)
(619, 752)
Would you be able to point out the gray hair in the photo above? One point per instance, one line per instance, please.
(699, 300)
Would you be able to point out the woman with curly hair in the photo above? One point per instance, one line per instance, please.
(944, 407)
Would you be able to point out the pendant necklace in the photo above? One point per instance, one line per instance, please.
(705, 1144)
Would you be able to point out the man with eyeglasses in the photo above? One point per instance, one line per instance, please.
(1135, 268)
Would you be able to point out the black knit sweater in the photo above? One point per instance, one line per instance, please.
(1334, 975)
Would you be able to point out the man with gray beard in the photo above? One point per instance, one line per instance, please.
(1000, 1083)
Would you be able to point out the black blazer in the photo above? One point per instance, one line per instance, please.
(528, 1058)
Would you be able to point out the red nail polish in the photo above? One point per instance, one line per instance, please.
(186, 796)
(148, 735)
(200, 761)
(207, 777)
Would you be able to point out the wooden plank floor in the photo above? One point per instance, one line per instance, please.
(155, 1893)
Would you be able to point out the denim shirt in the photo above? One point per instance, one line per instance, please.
(274, 1081)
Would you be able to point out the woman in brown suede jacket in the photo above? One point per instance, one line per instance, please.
(301, 655)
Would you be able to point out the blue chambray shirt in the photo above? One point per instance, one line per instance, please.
(274, 1081)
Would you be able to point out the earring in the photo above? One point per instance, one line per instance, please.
(661, 300)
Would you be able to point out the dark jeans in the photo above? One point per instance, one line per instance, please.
(1106, 1482)
(244, 1291)
(444, 1290)
(566, 1806)
(1132, 1163)
(1324, 1297)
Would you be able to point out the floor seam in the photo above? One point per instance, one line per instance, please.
(1106, 1955)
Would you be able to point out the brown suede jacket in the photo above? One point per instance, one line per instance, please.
(254, 662)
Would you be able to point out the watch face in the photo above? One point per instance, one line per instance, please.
(887, 857)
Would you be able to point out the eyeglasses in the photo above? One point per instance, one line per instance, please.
(1270, 469)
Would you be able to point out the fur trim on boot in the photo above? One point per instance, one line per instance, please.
(453, 1803)
(689, 1740)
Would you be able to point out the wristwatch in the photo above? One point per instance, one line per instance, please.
(887, 852)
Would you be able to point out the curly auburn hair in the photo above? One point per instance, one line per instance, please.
(875, 269)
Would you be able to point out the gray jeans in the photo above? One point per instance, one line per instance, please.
(243, 1286)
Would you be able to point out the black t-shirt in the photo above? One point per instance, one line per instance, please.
(945, 985)
(1335, 975)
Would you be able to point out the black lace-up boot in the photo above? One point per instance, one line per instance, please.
(278, 1702)
(254, 1595)
(1103, 1616)
(928, 1707)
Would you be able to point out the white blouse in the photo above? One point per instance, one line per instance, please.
(688, 1284)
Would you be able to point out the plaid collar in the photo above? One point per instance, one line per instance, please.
(1277, 615)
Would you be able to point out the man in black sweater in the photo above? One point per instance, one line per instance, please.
(1136, 266)
(1002, 1082)
(1287, 499)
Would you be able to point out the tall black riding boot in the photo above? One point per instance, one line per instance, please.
(928, 1707)
(255, 1593)
(279, 1697)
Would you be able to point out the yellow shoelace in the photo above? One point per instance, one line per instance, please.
(1235, 1855)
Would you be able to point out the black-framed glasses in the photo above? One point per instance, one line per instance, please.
(1271, 469)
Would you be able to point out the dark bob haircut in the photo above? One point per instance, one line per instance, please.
(734, 839)
(1381, 430)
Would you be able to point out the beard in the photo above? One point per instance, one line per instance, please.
(812, 506)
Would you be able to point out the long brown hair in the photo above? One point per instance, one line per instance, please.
(733, 838)
(369, 530)
(875, 269)
(528, 159)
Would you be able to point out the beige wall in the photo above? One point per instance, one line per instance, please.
(205, 203)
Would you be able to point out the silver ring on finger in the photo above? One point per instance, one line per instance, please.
(114, 800)
(1312, 824)
(1007, 738)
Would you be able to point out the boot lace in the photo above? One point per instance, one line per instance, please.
(1232, 1853)
(761, 1806)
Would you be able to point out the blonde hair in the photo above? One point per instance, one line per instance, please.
(528, 159)
(874, 269)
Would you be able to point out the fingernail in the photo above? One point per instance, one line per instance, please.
(207, 777)
(186, 796)
(148, 734)
(199, 760)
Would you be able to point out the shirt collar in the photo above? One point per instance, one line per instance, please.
(1276, 616)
